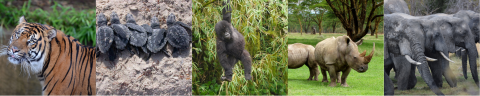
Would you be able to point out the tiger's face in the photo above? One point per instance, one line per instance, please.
(29, 45)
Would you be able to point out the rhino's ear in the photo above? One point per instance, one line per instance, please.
(359, 42)
(347, 40)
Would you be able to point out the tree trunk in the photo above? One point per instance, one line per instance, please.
(299, 21)
(353, 15)
(334, 25)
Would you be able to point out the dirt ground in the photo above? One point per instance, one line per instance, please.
(135, 74)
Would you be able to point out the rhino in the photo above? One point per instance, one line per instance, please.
(302, 54)
(340, 54)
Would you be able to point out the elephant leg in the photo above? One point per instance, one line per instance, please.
(388, 90)
(247, 65)
(388, 63)
(324, 74)
(403, 72)
(344, 77)
(438, 68)
(437, 72)
(412, 80)
(333, 75)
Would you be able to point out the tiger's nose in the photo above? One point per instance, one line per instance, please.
(14, 49)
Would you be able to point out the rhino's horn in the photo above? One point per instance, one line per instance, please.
(363, 53)
(369, 57)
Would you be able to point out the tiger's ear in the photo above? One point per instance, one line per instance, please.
(51, 33)
(22, 20)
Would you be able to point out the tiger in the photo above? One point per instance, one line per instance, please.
(63, 65)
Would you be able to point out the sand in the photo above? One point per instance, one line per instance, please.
(135, 74)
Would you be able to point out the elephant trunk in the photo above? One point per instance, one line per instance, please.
(472, 56)
(369, 57)
(424, 69)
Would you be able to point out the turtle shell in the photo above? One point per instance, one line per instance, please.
(156, 41)
(138, 39)
(178, 37)
(104, 38)
(104, 34)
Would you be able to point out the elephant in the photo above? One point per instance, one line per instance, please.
(341, 54)
(407, 39)
(301, 54)
(465, 20)
(388, 90)
(395, 6)
(473, 22)
(457, 33)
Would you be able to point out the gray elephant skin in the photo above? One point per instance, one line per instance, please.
(395, 6)
(405, 45)
(302, 54)
(340, 54)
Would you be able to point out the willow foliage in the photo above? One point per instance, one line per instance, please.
(264, 26)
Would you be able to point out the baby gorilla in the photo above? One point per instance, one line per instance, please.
(231, 48)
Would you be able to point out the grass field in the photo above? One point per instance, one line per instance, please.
(368, 83)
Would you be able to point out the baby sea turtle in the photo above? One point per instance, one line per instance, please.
(122, 33)
(104, 34)
(177, 34)
(139, 36)
(149, 31)
(156, 41)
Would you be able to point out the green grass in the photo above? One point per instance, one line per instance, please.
(368, 83)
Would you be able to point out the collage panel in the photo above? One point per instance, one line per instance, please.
(437, 38)
(328, 38)
(144, 47)
(239, 47)
(47, 47)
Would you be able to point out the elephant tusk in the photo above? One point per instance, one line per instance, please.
(409, 59)
(430, 59)
(446, 57)
(458, 49)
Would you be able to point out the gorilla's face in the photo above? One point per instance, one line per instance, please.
(228, 36)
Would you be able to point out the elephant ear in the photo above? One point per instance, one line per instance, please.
(404, 47)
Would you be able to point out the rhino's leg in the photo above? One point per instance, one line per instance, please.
(324, 74)
(310, 70)
(315, 72)
(344, 77)
(339, 79)
(313, 67)
(333, 74)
